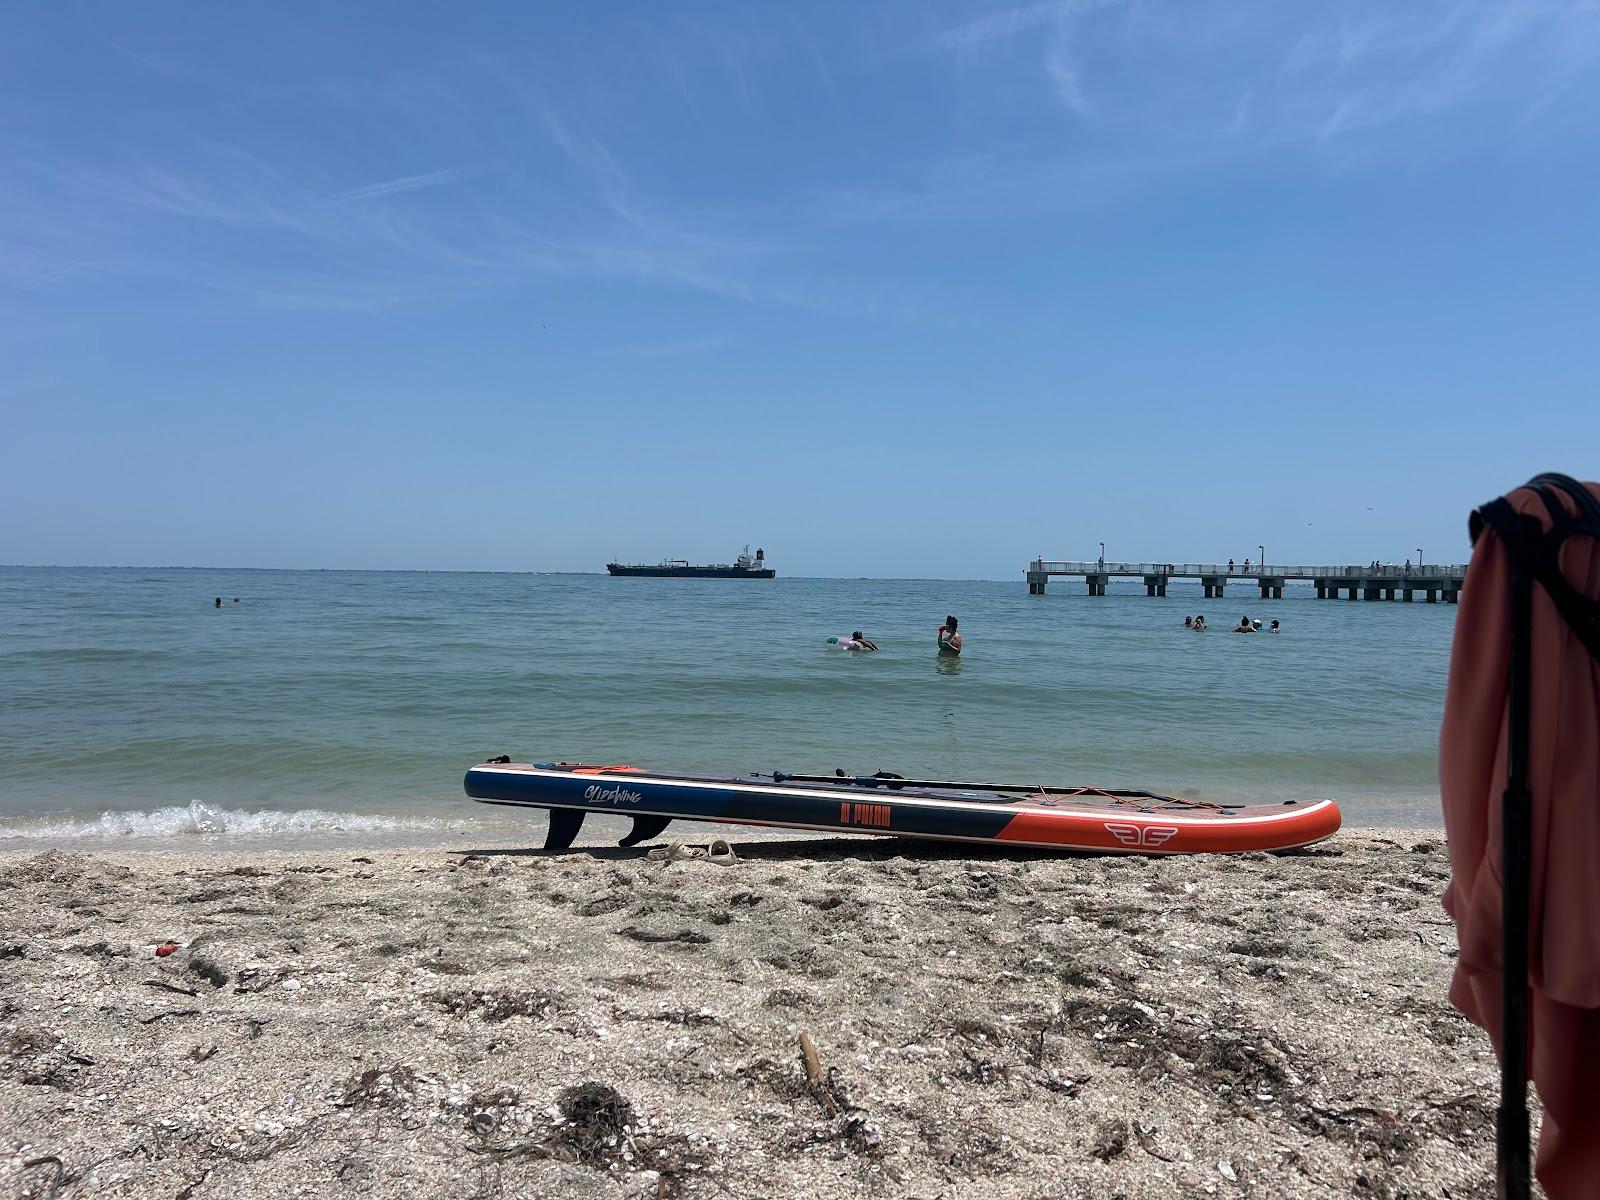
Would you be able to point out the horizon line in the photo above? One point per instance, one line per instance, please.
(451, 571)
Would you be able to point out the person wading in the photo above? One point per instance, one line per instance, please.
(949, 639)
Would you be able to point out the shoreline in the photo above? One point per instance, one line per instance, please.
(489, 1021)
(181, 829)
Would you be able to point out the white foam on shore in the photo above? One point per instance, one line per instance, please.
(198, 819)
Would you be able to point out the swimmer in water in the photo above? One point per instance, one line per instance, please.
(1244, 626)
(1200, 623)
(949, 639)
(856, 641)
(1188, 622)
(1274, 626)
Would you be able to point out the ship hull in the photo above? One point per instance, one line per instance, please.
(692, 572)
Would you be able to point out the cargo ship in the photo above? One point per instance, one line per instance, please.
(743, 567)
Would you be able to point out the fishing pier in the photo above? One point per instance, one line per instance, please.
(1368, 583)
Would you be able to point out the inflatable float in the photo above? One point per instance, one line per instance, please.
(1102, 820)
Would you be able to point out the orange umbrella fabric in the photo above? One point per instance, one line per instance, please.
(1561, 761)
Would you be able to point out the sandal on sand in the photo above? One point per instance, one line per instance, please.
(674, 852)
(721, 853)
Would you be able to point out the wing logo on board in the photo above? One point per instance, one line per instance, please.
(1147, 835)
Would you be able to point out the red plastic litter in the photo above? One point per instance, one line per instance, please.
(165, 949)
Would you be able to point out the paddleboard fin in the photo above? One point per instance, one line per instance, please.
(564, 826)
(645, 828)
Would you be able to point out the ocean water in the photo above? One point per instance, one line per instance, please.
(328, 705)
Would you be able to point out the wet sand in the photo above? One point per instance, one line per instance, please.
(485, 1022)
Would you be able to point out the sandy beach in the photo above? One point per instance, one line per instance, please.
(477, 1021)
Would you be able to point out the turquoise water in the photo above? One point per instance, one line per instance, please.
(130, 707)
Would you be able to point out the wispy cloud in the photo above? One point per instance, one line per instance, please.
(1364, 89)
(656, 254)
(1238, 122)
(194, 191)
(161, 66)
(1008, 23)
(583, 151)
(1039, 107)
(406, 183)
(1069, 87)
(1164, 90)
(561, 204)
(54, 274)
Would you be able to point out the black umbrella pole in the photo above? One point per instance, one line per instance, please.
(1516, 836)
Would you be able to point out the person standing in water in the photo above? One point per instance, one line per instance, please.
(949, 639)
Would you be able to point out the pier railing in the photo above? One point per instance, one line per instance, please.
(1441, 572)
(1375, 581)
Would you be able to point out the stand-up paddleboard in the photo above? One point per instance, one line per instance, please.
(1065, 818)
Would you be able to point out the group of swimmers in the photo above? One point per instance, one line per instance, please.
(1245, 625)
(949, 640)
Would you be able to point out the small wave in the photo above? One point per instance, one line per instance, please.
(198, 819)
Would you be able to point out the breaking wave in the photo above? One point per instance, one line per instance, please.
(200, 820)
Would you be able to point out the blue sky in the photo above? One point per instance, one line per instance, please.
(890, 289)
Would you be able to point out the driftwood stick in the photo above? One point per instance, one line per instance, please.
(170, 987)
(808, 1050)
(826, 1096)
